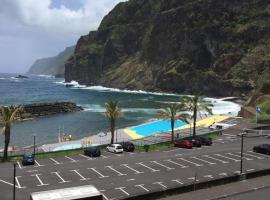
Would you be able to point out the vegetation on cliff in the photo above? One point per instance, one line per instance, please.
(216, 47)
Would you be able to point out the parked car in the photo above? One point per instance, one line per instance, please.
(115, 148)
(128, 146)
(262, 148)
(92, 151)
(183, 144)
(204, 140)
(195, 141)
(28, 159)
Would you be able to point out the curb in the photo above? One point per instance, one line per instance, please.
(202, 185)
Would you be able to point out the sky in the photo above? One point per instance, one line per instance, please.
(33, 29)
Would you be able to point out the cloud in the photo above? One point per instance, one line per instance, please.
(31, 29)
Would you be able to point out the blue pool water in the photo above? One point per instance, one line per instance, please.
(156, 127)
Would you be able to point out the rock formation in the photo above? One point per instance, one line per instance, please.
(214, 47)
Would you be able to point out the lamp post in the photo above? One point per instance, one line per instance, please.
(242, 145)
(14, 180)
(34, 146)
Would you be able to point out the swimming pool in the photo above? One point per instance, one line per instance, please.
(67, 147)
(156, 127)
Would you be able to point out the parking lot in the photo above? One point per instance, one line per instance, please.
(119, 176)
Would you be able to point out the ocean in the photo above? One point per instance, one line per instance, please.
(137, 107)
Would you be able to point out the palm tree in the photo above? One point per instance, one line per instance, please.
(172, 113)
(113, 112)
(7, 117)
(196, 104)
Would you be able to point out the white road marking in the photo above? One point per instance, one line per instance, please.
(131, 179)
(168, 168)
(193, 178)
(119, 173)
(55, 161)
(142, 186)
(250, 170)
(101, 175)
(208, 176)
(196, 164)
(239, 156)
(236, 172)
(222, 161)
(210, 163)
(18, 183)
(104, 156)
(179, 154)
(178, 181)
(8, 183)
(38, 165)
(161, 184)
(122, 189)
(171, 150)
(20, 165)
(40, 181)
(136, 171)
(131, 153)
(58, 175)
(102, 192)
(31, 171)
(152, 170)
(176, 163)
(259, 157)
(223, 174)
(84, 156)
(72, 160)
(81, 176)
(235, 160)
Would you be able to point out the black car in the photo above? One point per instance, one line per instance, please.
(262, 148)
(28, 159)
(92, 151)
(195, 142)
(128, 146)
(204, 140)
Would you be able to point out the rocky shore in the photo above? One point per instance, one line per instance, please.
(44, 109)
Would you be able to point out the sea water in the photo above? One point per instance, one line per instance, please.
(137, 107)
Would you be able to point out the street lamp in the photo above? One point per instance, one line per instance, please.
(34, 146)
(14, 180)
(242, 145)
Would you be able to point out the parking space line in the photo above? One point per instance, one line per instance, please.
(84, 156)
(168, 168)
(136, 171)
(55, 161)
(102, 192)
(178, 181)
(193, 178)
(81, 176)
(161, 184)
(196, 164)
(20, 165)
(258, 154)
(122, 189)
(210, 163)
(178, 154)
(72, 160)
(208, 176)
(39, 180)
(222, 161)
(171, 150)
(61, 178)
(18, 183)
(142, 186)
(104, 156)
(119, 173)
(240, 156)
(258, 157)
(152, 170)
(101, 175)
(38, 165)
(178, 164)
(250, 170)
(229, 158)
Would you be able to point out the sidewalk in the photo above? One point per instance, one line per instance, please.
(227, 190)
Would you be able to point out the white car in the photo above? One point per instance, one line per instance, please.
(115, 148)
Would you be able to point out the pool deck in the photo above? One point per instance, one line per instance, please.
(129, 134)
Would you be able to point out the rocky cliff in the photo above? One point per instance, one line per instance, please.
(214, 47)
(52, 65)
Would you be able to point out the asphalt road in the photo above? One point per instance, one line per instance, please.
(119, 176)
(261, 194)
